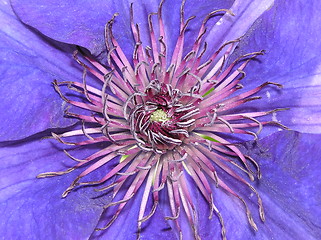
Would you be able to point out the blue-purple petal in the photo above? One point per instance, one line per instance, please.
(82, 22)
(28, 65)
(291, 185)
(290, 190)
(291, 40)
(32, 208)
(232, 27)
(289, 160)
(125, 226)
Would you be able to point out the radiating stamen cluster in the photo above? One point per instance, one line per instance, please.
(163, 117)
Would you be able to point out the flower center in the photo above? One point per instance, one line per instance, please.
(161, 117)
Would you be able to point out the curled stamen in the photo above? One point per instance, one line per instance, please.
(126, 173)
(58, 138)
(75, 56)
(144, 168)
(144, 219)
(248, 214)
(84, 131)
(139, 65)
(203, 51)
(176, 178)
(185, 25)
(271, 83)
(105, 131)
(204, 65)
(56, 86)
(186, 71)
(161, 40)
(249, 173)
(219, 215)
(110, 52)
(53, 174)
(108, 224)
(256, 121)
(212, 118)
(259, 201)
(279, 125)
(174, 217)
(73, 158)
(211, 14)
(107, 187)
(71, 187)
(253, 134)
(189, 56)
(180, 159)
(119, 202)
(257, 166)
(250, 55)
(159, 188)
(85, 85)
(128, 101)
(226, 123)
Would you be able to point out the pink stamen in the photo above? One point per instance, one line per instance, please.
(162, 117)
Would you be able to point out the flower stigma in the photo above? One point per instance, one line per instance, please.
(159, 116)
(164, 117)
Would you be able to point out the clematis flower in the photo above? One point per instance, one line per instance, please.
(174, 128)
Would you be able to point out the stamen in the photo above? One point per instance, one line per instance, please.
(119, 202)
(226, 123)
(109, 223)
(159, 188)
(249, 214)
(84, 131)
(58, 138)
(53, 174)
(71, 187)
(219, 215)
(174, 217)
(185, 25)
(144, 219)
(73, 158)
(163, 120)
(256, 121)
(257, 166)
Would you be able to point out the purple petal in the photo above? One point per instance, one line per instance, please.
(291, 40)
(290, 190)
(291, 185)
(289, 163)
(28, 65)
(232, 27)
(82, 23)
(33, 207)
(125, 226)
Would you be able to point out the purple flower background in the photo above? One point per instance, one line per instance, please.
(36, 48)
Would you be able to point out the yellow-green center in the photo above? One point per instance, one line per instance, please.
(159, 116)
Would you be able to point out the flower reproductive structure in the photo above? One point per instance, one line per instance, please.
(163, 117)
